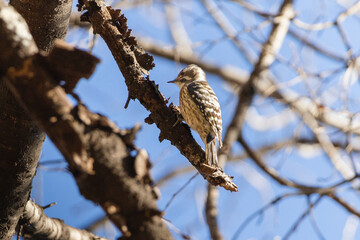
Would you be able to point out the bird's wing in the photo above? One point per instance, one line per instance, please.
(204, 97)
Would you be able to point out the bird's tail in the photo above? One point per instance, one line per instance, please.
(211, 153)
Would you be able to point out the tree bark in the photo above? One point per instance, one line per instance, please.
(36, 225)
(20, 138)
(47, 20)
(100, 156)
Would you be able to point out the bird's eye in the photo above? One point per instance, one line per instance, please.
(182, 79)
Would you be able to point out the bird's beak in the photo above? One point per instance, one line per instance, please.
(173, 81)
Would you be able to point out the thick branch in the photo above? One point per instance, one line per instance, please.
(20, 138)
(36, 225)
(48, 20)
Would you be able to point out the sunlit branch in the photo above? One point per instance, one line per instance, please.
(321, 26)
(36, 225)
(177, 29)
(225, 25)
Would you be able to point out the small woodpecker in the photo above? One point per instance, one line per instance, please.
(200, 108)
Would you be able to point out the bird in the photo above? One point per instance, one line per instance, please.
(200, 109)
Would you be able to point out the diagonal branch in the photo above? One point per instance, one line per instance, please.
(324, 140)
(133, 62)
(317, 47)
(177, 29)
(226, 26)
(267, 57)
(344, 204)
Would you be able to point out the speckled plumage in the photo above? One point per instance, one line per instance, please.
(200, 108)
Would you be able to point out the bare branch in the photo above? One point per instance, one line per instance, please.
(344, 204)
(21, 139)
(302, 217)
(225, 25)
(178, 191)
(343, 120)
(177, 29)
(36, 225)
(267, 57)
(133, 62)
(261, 211)
(340, 165)
(211, 213)
(321, 26)
(316, 47)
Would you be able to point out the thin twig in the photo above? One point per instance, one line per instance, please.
(314, 223)
(344, 169)
(226, 26)
(344, 204)
(178, 191)
(260, 211)
(301, 218)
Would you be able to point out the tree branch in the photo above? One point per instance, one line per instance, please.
(20, 138)
(343, 120)
(111, 25)
(270, 48)
(211, 213)
(36, 225)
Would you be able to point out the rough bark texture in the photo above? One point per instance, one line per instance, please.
(100, 156)
(20, 147)
(47, 20)
(20, 138)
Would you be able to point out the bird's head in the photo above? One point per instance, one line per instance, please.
(189, 74)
